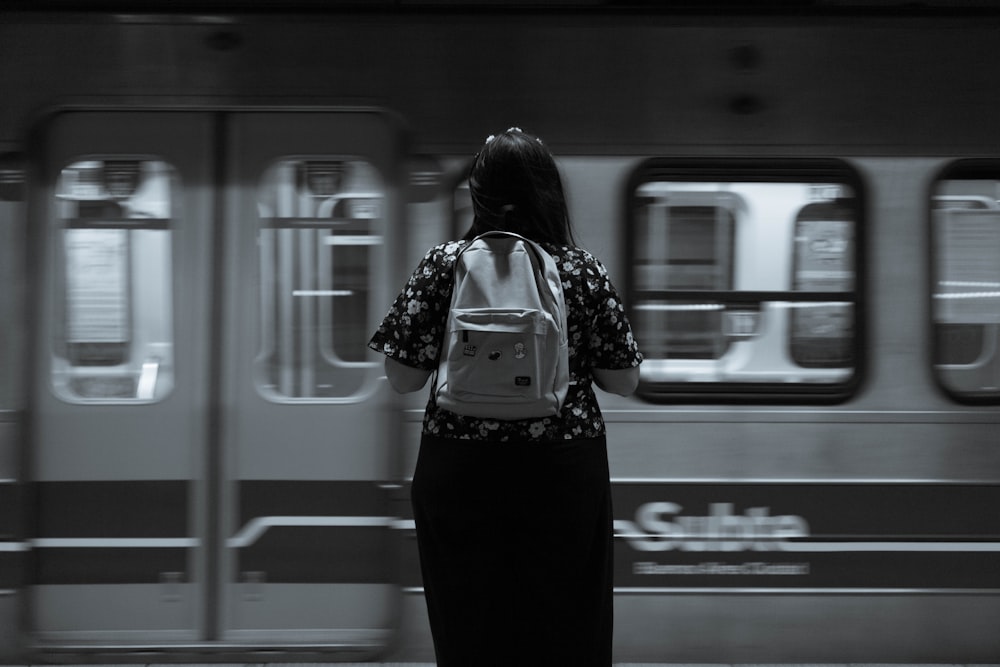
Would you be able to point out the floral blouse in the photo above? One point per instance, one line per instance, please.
(599, 334)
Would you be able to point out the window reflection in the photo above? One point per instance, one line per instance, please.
(687, 245)
(822, 334)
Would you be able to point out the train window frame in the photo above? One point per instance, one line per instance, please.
(112, 364)
(275, 387)
(745, 305)
(943, 189)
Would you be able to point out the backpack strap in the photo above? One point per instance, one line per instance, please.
(539, 252)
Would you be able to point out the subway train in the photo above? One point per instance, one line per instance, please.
(205, 210)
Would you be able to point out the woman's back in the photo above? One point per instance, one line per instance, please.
(597, 330)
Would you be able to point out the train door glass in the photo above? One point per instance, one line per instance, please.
(321, 225)
(114, 299)
(965, 218)
(741, 286)
(210, 451)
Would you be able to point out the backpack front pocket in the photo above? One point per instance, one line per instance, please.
(497, 358)
(497, 355)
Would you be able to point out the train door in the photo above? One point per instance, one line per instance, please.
(207, 429)
(306, 504)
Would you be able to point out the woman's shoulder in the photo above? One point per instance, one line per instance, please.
(445, 249)
(441, 256)
(570, 252)
(574, 258)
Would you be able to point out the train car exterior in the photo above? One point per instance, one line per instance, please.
(204, 215)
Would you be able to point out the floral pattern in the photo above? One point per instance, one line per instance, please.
(599, 332)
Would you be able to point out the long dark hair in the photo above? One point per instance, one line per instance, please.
(516, 187)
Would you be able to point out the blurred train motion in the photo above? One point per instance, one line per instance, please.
(203, 216)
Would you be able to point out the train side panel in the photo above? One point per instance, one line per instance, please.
(199, 456)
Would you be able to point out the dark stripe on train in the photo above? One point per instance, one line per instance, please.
(828, 535)
(98, 565)
(321, 555)
(839, 510)
(147, 508)
(97, 510)
(891, 570)
(318, 554)
(11, 568)
(10, 508)
(160, 509)
(260, 498)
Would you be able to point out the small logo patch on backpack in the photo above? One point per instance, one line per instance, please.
(469, 350)
(522, 380)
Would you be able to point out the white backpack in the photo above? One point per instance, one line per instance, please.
(505, 352)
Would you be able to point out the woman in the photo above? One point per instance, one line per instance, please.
(513, 518)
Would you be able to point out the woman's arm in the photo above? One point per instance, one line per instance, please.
(620, 381)
(403, 378)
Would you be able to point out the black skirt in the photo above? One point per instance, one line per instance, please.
(515, 543)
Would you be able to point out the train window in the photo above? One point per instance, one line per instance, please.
(966, 283)
(320, 231)
(743, 279)
(114, 281)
